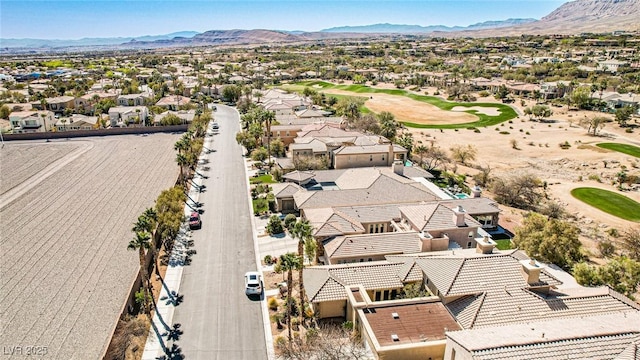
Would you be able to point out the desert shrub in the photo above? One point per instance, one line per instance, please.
(273, 304)
(504, 133)
(565, 145)
(606, 248)
(595, 177)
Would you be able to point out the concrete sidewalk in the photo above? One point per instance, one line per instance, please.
(162, 324)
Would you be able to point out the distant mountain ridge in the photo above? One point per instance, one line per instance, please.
(45, 43)
(575, 17)
(414, 29)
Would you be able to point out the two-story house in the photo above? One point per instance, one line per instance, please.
(31, 121)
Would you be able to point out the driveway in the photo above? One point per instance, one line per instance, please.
(217, 319)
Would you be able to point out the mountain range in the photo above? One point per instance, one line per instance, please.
(52, 43)
(414, 29)
(575, 17)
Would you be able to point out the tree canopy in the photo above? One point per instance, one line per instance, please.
(549, 240)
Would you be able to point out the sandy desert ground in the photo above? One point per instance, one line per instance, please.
(538, 152)
(409, 110)
(66, 271)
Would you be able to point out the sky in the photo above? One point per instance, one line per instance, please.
(77, 19)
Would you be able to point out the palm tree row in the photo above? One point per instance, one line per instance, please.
(143, 229)
(190, 145)
(163, 222)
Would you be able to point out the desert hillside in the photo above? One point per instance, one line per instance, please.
(575, 17)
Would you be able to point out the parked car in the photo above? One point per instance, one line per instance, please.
(215, 126)
(194, 221)
(253, 283)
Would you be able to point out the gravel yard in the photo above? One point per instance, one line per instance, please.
(66, 272)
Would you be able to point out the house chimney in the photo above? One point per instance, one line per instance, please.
(485, 246)
(531, 270)
(476, 191)
(458, 216)
(390, 155)
(398, 167)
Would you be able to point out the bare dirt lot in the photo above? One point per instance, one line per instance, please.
(66, 271)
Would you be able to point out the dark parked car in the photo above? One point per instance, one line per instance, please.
(194, 221)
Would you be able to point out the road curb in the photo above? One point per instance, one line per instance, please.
(163, 315)
(266, 322)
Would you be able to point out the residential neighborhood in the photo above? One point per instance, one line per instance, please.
(382, 196)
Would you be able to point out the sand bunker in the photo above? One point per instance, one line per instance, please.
(409, 110)
(491, 111)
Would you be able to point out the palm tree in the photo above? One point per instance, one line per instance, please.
(289, 262)
(421, 151)
(303, 231)
(141, 242)
(44, 119)
(147, 222)
(181, 145)
(182, 161)
(268, 117)
(388, 125)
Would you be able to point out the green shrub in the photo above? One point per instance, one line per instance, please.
(289, 220)
(260, 206)
(274, 226)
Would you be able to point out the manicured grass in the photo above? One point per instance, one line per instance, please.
(52, 64)
(609, 202)
(262, 179)
(506, 112)
(503, 244)
(299, 88)
(623, 148)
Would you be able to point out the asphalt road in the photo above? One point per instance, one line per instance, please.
(217, 319)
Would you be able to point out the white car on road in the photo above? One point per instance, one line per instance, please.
(253, 283)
